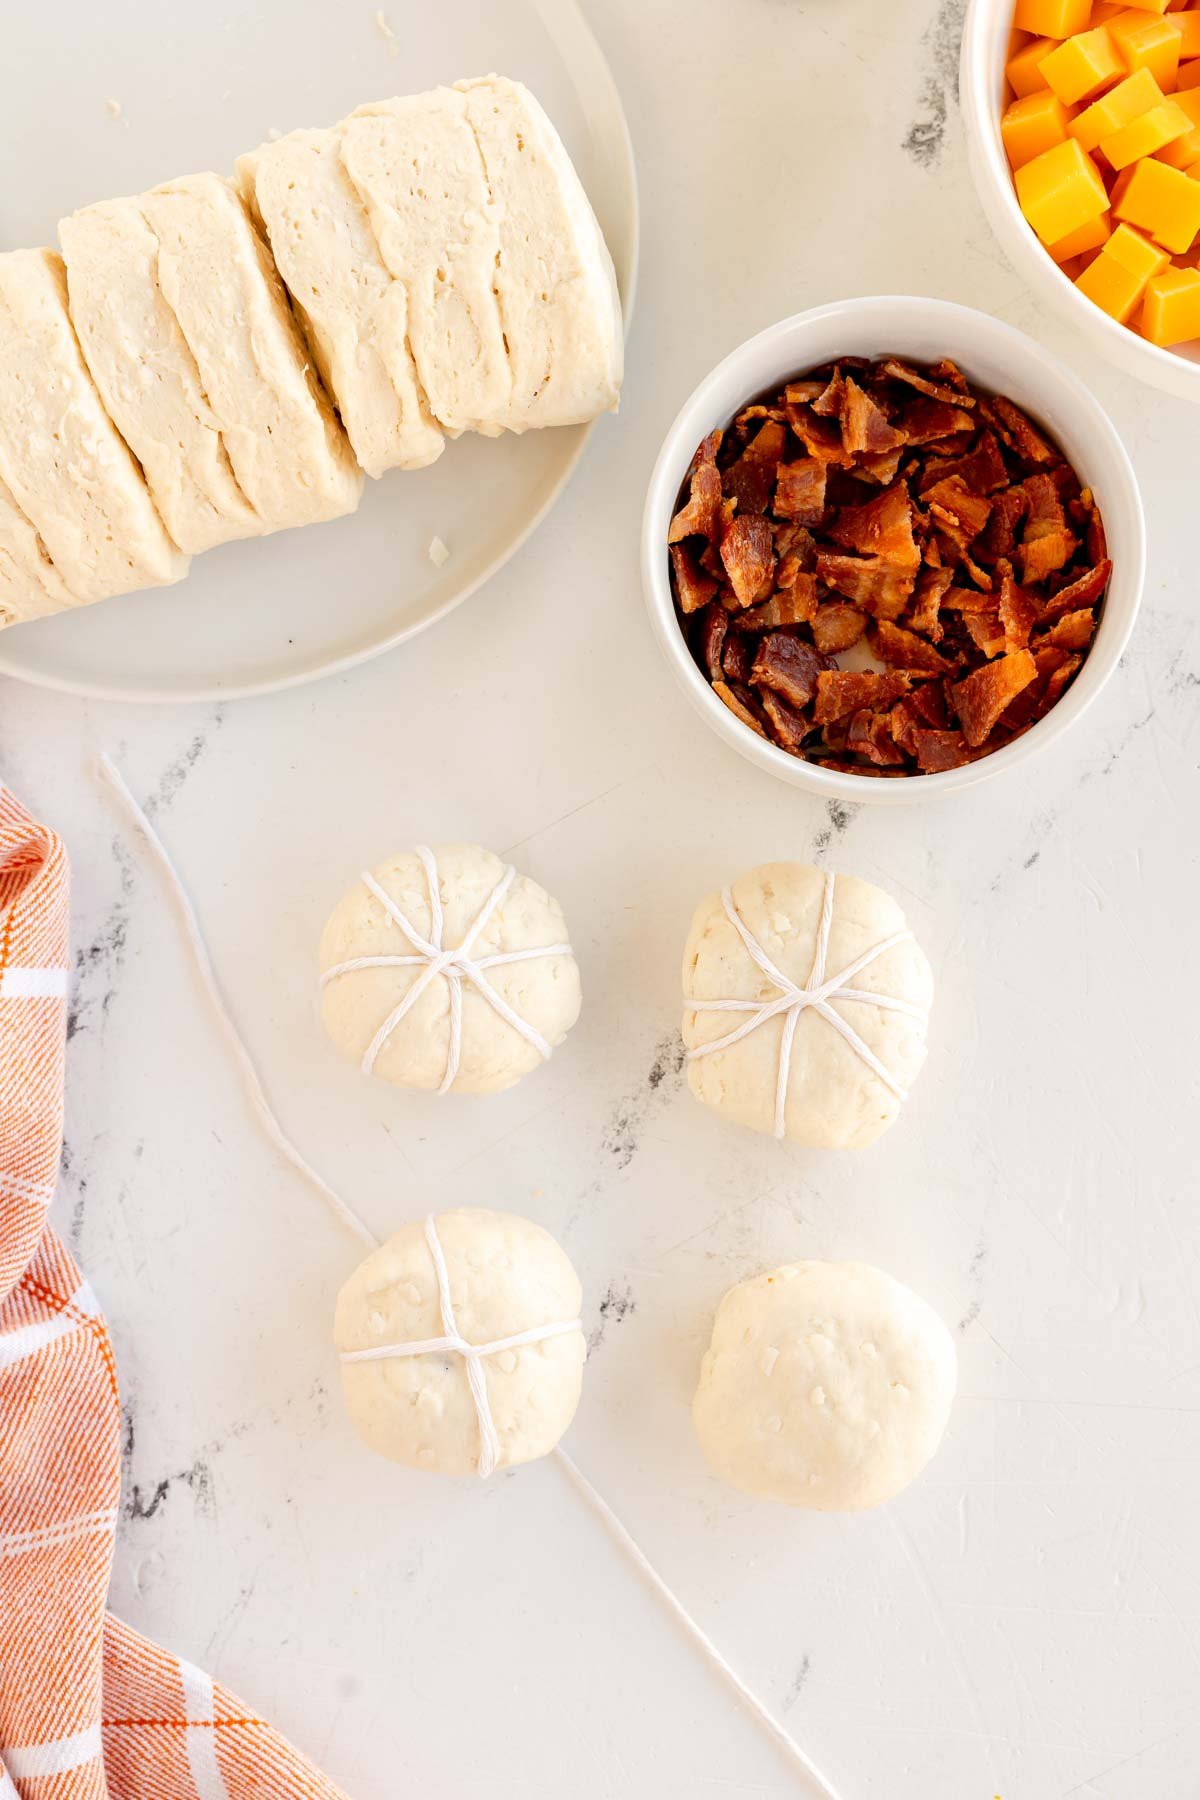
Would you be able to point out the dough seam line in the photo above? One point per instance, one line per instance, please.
(111, 776)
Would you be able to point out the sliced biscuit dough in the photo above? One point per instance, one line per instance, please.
(416, 166)
(291, 458)
(61, 458)
(354, 315)
(559, 306)
(30, 585)
(147, 375)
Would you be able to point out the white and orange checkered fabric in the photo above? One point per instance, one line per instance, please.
(87, 1707)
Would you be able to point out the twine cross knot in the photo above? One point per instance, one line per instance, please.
(817, 995)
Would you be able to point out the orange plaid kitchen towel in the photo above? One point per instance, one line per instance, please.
(87, 1707)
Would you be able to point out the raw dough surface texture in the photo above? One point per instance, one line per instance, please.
(357, 1005)
(826, 1385)
(507, 1276)
(834, 1099)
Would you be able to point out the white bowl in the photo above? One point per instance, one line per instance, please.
(997, 358)
(981, 87)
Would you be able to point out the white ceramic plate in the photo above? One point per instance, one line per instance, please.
(103, 100)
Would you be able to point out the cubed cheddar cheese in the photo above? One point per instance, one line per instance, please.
(1118, 278)
(1053, 18)
(1092, 236)
(1189, 76)
(1061, 189)
(1147, 42)
(1144, 135)
(1150, 6)
(1083, 66)
(1024, 66)
(1163, 201)
(1188, 26)
(1171, 314)
(1183, 151)
(1136, 95)
(1032, 125)
(1104, 10)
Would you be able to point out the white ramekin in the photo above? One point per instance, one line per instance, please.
(981, 86)
(997, 358)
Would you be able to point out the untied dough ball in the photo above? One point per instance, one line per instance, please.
(826, 1385)
(810, 926)
(487, 1052)
(507, 1275)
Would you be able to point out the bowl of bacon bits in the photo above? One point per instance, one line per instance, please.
(892, 546)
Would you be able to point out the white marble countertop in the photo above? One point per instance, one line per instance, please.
(1025, 1621)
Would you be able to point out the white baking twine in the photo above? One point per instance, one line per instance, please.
(244, 1066)
(817, 995)
(473, 1354)
(454, 963)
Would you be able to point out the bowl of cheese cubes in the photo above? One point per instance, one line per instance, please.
(1083, 128)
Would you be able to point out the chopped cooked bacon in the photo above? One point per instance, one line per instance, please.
(837, 627)
(789, 726)
(883, 528)
(1020, 435)
(752, 477)
(902, 649)
(794, 604)
(1085, 590)
(693, 588)
(869, 581)
(800, 491)
(1018, 611)
(789, 667)
(710, 640)
(843, 691)
(980, 698)
(736, 657)
(737, 705)
(819, 437)
(927, 602)
(940, 750)
(934, 390)
(875, 499)
(865, 429)
(748, 553)
(870, 735)
(1046, 544)
(1074, 631)
(702, 514)
(925, 421)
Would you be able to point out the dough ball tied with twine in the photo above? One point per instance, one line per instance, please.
(461, 1344)
(806, 1004)
(449, 971)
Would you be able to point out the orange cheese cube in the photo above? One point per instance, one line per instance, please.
(1144, 135)
(1024, 67)
(1171, 314)
(1150, 6)
(1188, 26)
(1032, 125)
(1136, 95)
(1104, 10)
(1092, 236)
(1165, 202)
(1061, 189)
(1146, 42)
(1118, 278)
(1080, 68)
(1189, 75)
(1052, 18)
(1183, 151)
